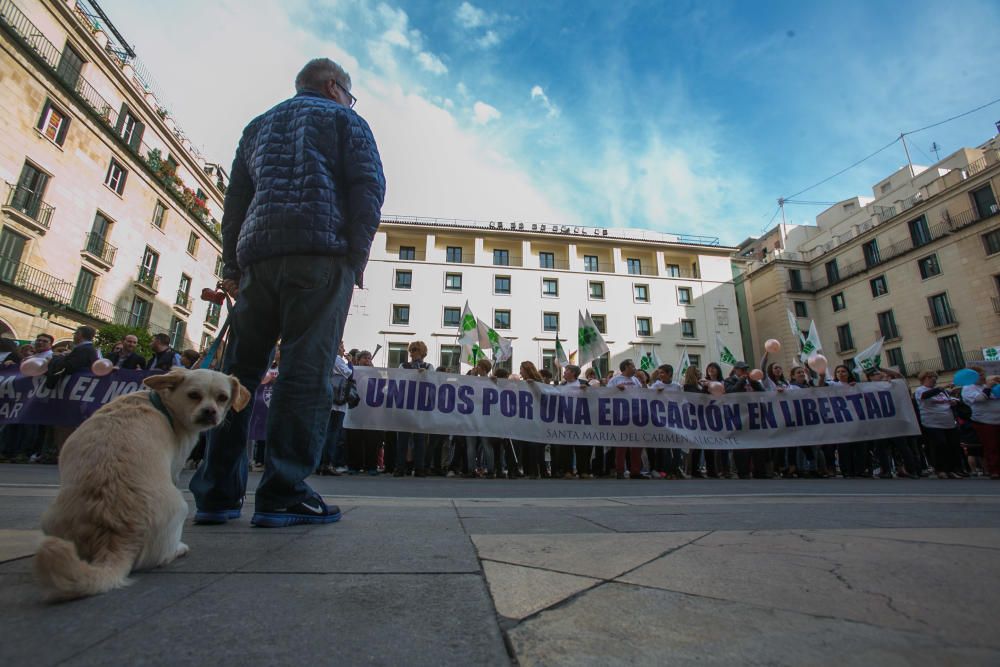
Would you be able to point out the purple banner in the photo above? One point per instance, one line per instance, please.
(26, 400)
(258, 418)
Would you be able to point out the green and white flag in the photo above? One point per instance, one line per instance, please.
(561, 359)
(501, 347)
(793, 322)
(991, 353)
(683, 364)
(811, 344)
(725, 354)
(869, 358)
(649, 361)
(591, 344)
(472, 335)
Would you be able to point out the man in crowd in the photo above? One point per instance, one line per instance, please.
(302, 207)
(164, 357)
(127, 357)
(627, 379)
(737, 382)
(583, 453)
(43, 346)
(81, 357)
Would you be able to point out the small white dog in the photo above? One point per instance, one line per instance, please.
(118, 507)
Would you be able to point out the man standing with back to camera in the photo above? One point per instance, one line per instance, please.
(303, 205)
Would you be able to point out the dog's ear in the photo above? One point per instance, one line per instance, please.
(240, 394)
(166, 381)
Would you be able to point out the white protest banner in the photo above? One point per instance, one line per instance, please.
(431, 402)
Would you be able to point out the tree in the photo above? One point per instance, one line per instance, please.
(111, 334)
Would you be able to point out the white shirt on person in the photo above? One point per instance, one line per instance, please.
(935, 412)
(619, 380)
(666, 386)
(344, 370)
(985, 410)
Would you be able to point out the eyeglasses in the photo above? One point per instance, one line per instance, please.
(354, 100)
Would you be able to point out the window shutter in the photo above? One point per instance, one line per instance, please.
(136, 140)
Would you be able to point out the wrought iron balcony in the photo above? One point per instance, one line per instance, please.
(28, 278)
(212, 316)
(28, 208)
(99, 249)
(148, 279)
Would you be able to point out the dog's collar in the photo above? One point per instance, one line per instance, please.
(157, 402)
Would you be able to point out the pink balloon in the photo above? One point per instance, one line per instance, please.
(756, 375)
(34, 366)
(716, 388)
(772, 346)
(818, 363)
(102, 367)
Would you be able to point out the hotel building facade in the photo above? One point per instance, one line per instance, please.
(647, 291)
(917, 263)
(109, 213)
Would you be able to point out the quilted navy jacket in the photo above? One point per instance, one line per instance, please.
(306, 180)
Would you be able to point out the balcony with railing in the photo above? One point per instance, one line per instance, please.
(511, 260)
(27, 208)
(99, 251)
(941, 319)
(212, 316)
(890, 335)
(22, 276)
(147, 280)
(99, 309)
(183, 301)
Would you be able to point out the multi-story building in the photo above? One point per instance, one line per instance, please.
(918, 263)
(646, 291)
(109, 214)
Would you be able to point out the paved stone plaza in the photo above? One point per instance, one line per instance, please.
(495, 572)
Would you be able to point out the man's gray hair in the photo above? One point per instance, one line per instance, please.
(317, 72)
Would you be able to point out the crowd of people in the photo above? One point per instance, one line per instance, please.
(959, 428)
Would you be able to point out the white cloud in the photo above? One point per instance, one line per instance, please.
(538, 93)
(396, 38)
(483, 113)
(491, 38)
(431, 63)
(470, 16)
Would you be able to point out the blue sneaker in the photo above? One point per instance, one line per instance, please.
(215, 517)
(309, 511)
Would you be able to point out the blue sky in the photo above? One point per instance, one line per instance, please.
(690, 117)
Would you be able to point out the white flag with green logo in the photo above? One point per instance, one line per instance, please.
(501, 347)
(991, 353)
(725, 354)
(793, 322)
(561, 359)
(683, 364)
(649, 361)
(590, 343)
(811, 345)
(869, 358)
(471, 337)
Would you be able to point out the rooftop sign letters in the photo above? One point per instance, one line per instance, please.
(555, 229)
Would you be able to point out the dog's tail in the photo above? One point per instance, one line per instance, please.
(66, 576)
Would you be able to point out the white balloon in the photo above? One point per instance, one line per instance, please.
(818, 363)
(716, 388)
(102, 367)
(772, 346)
(34, 366)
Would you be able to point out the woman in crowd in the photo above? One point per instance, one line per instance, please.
(809, 459)
(934, 405)
(985, 420)
(851, 456)
(363, 444)
(784, 458)
(412, 442)
(694, 383)
(532, 453)
(478, 448)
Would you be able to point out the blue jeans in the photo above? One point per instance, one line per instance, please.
(304, 300)
(403, 441)
(333, 433)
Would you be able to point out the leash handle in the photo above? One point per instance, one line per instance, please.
(213, 349)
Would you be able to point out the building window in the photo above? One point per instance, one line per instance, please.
(451, 357)
(547, 260)
(951, 353)
(70, 66)
(178, 328)
(501, 257)
(644, 326)
(687, 329)
(550, 321)
(695, 360)
(984, 201)
(501, 284)
(596, 290)
(84, 290)
(453, 282)
(879, 286)
(634, 266)
(800, 309)
(870, 251)
(684, 296)
(397, 354)
(138, 316)
(212, 313)
(549, 360)
(640, 293)
(844, 339)
(206, 341)
(192, 247)
(941, 312)
(590, 263)
(885, 187)
(919, 233)
(895, 358)
(159, 215)
(550, 287)
(147, 271)
(400, 314)
(673, 271)
(838, 301)
(991, 241)
(453, 254)
(601, 322)
(404, 279)
(832, 272)
(30, 190)
(794, 279)
(407, 252)
(53, 123)
(115, 179)
(184, 289)
(218, 266)
(501, 319)
(887, 325)
(130, 129)
(929, 266)
(452, 317)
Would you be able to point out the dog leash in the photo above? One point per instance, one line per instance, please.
(213, 349)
